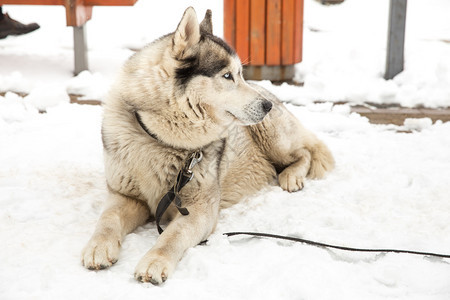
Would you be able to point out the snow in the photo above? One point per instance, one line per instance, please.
(389, 189)
(417, 124)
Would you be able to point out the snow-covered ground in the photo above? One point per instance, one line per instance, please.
(389, 189)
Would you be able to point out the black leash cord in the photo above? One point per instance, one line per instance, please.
(299, 240)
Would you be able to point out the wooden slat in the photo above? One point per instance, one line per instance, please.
(298, 31)
(257, 32)
(110, 2)
(229, 22)
(63, 2)
(33, 2)
(273, 33)
(287, 32)
(242, 29)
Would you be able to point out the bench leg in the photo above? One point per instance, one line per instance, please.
(80, 49)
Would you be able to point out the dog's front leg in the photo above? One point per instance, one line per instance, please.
(121, 217)
(181, 233)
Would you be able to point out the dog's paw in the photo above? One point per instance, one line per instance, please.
(290, 181)
(154, 268)
(100, 253)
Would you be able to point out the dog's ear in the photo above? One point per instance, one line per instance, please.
(206, 24)
(187, 33)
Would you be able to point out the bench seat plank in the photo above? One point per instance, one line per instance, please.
(63, 2)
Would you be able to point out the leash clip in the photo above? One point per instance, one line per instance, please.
(195, 158)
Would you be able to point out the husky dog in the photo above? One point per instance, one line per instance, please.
(183, 96)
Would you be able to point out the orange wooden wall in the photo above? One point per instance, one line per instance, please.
(265, 32)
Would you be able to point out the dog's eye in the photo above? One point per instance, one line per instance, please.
(228, 76)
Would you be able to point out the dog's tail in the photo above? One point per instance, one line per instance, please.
(322, 160)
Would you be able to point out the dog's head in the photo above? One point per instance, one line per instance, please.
(188, 86)
(208, 72)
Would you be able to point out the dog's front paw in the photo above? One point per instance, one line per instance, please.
(100, 252)
(154, 268)
(289, 181)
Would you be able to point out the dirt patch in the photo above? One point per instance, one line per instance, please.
(76, 99)
(397, 115)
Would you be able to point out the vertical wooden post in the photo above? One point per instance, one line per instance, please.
(243, 30)
(229, 22)
(287, 32)
(273, 33)
(80, 49)
(298, 31)
(258, 32)
(396, 38)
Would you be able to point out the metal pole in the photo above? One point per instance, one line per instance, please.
(396, 38)
(80, 49)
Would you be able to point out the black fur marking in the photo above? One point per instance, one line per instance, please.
(144, 127)
(206, 64)
(192, 108)
(194, 66)
(200, 110)
(220, 156)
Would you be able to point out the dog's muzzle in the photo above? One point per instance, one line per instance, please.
(253, 112)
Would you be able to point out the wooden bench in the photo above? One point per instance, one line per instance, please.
(78, 12)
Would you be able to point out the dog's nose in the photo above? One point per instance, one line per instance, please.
(266, 105)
